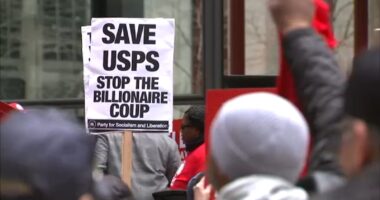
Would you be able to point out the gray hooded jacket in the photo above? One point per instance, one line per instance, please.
(154, 162)
(261, 188)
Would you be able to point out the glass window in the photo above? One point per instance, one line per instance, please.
(179, 111)
(261, 46)
(261, 40)
(40, 44)
(374, 23)
(261, 50)
(188, 70)
(342, 12)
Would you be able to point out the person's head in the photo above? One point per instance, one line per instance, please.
(192, 127)
(259, 133)
(45, 155)
(111, 188)
(361, 140)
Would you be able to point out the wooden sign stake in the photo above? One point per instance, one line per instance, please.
(126, 158)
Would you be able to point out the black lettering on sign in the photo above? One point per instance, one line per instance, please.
(151, 58)
(144, 108)
(124, 96)
(125, 60)
(146, 83)
(115, 82)
(100, 81)
(136, 36)
(156, 97)
(155, 83)
(97, 96)
(128, 110)
(164, 97)
(107, 31)
(122, 34)
(129, 34)
(113, 112)
(137, 57)
(149, 31)
(89, 47)
(122, 57)
(109, 62)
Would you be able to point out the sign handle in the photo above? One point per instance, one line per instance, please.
(126, 158)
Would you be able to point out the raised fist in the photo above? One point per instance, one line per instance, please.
(291, 14)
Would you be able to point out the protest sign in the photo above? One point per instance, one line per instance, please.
(130, 75)
(86, 47)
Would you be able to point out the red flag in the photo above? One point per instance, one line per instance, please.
(5, 109)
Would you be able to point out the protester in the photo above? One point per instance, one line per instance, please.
(193, 137)
(155, 159)
(320, 84)
(263, 139)
(360, 151)
(45, 155)
(111, 188)
(325, 156)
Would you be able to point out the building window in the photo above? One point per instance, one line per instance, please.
(374, 23)
(40, 44)
(342, 17)
(40, 52)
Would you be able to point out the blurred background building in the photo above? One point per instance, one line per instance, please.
(219, 44)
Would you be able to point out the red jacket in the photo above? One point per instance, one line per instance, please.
(194, 163)
(322, 25)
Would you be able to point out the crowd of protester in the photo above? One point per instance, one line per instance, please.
(259, 142)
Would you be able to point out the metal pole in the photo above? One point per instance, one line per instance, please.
(213, 43)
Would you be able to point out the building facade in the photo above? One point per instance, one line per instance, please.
(40, 44)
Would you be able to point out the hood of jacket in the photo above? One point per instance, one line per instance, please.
(258, 187)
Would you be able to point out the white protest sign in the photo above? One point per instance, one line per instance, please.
(131, 74)
(86, 42)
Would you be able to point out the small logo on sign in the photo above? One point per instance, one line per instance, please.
(91, 124)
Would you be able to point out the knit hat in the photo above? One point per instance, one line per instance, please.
(46, 152)
(363, 92)
(261, 134)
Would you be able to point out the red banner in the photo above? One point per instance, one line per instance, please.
(176, 135)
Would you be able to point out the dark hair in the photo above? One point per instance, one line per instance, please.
(362, 95)
(196, 116)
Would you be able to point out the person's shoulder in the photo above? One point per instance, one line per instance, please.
(201, 149)
(199, 154)
(159, 139)
(169, 142)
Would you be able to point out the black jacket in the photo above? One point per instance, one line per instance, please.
(365, 186)
(320, 86)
